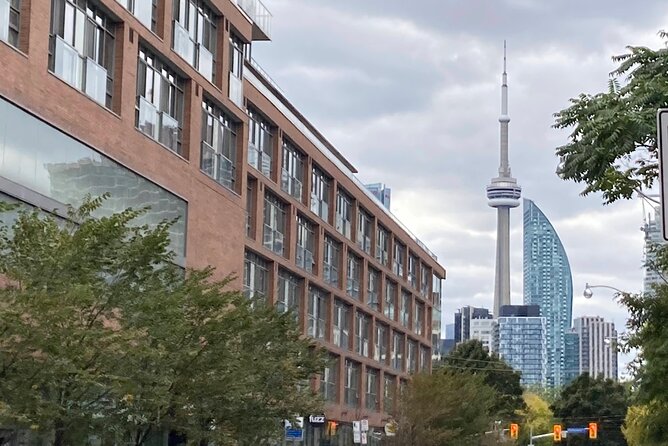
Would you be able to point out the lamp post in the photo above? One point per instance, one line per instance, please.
(588, 293)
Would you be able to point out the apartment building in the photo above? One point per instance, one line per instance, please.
(159, 103)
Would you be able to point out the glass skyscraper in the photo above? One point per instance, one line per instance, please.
(548, 283)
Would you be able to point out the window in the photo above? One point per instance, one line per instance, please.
(332, 258)
(344, 213)
(436, 291)
(144, 10)
(251, 187)
(81, 50)
(389, 391)
(354, 275)
(373, 289)
(412, 270)
(195, 35)
(372, 389)
(405, 309)
(274, 224)
(380, 345)
(320, 186)
(256, 276)
(399, 258)
(292, 173)
(329, 381)
(317, 313)
(397, 350)
(352, 383)
(10, 19)
(305, 244)
(418, 319)
(341, 333)
(237, 50)
(382, 245)
(260, 142)
(390, 299)
(424, 280)
(411, 356)
(362, 333)
(289, 287)
(219, 145)
(364, 228)
(424, 359)
(159, 108)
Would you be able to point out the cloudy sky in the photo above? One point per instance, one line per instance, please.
(409, 92)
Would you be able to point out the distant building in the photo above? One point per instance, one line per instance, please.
(481, 330)
(447, 345)
(463, 318)
(381, 192)
(572, 356)
(521, 341)
(597, 346)
(653, 237)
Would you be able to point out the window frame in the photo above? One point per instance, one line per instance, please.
(260, 142)
(364, 230)
(341, 324)
(382, 245)
(274, 224)
(285, 301)
(353, 275)
(344, 213)
(223, 121)
(292, 170)
(316, 319)
(331, 260)
(205, 17)
(256, 275)
(305, 244)
(321, 186)
(362, 334)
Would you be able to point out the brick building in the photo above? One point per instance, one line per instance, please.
(159, 103)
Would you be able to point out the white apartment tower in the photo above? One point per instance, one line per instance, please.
(597, 346)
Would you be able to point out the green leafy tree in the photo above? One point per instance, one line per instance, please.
(100, 333)
(599, 400)
(646, 425)
(538, 416)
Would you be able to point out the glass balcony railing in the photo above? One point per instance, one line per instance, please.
(260, 16)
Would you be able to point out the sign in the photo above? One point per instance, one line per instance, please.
(294, 434)
(357, 432)
(365, 425)
(662, 143)
(391, 428)
(317, 419)
(365, 439)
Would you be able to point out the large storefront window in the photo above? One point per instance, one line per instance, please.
(41, 159)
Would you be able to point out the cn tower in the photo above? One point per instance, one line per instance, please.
(503, 193)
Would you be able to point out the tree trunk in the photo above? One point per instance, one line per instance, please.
(59, 433)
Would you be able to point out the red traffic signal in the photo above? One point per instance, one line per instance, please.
(556, 432)
(593, 431)
(514, 431)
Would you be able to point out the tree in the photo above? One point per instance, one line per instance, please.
(100, 333)
(646, 425)
(471, 357)
(538, 416)
(612, 147)
(599, 400)
(445, 408)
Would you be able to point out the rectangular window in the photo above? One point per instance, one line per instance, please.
(362, 333)
(320, 187)
(397, 358)
(405, 309)
(372, 389)
(251, 187)
(399, 258)
(10, 19)
(364, 227)
(256, 277)
(352, 383)
(424, 280)
(305, 244)
(159, 108)
(373, 289)
(389, 392)
(219, 145)
(382, 245)
(436, 291)
(317, 313)
(236, 76)
(144, 10)
(274, 224)
(412, 270)
(418, 319)
(289, 291)
(195, 35)
(380, 343)
(329, 380)
(341, 332)
(260, 142)
(389, 304)
(411, 356)
(81, 48)
(292, 172)
(354, 275)
(331, 261)
(344, 213)
(424, 359)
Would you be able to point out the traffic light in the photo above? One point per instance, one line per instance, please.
(514, 431)
(556, 432)
(593, 431)
(331, 428)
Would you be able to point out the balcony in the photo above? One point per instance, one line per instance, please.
(260, 16)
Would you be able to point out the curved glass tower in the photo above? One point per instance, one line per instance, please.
(548, 283)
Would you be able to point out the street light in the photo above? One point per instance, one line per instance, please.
(588, 293)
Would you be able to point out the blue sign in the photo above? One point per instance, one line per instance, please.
(577, 430)
(294, 434)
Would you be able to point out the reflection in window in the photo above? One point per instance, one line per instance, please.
(405, 309)
(256, 277)
(159, 108)
(237, 50)
(364, 228)
(144, 10)
(399, 258)
(389, 304)
(10, 19)
(397, 350)
(372, 389)
(304, 257)
(81, 50)
(411, 356)
(195, 35)
(289, 287)
(380, 343)
(418, 319)
(373, 289)
(344, 213)
(382, 245)
(331, 261)
(412, 270)
(259, 143)
(424, 359)
(424, 280)
(352, 383)
(320, 186)
(274, 224)
(341, 333)
(317, 313)
(389, 391)
(292, 171)
(329, 380)
(354, 275)
(362, 333)
(219, 145)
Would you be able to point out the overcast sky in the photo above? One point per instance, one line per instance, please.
(409, 92)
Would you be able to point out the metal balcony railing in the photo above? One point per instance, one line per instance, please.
(260, 16)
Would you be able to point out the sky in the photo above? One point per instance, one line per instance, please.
(409, 92)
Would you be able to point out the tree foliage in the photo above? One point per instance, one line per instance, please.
(538, 416)
(612, 148)
(647, 425)
(599, 400)
(100, 333)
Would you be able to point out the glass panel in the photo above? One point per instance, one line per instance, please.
(169, 131)
(183, 46)
(205, 63)
(4, 20)
(236, 92)
(225, 171)
(68, 66)
(144, 12)
(148, 118)
(96, 81)
(208, 164)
